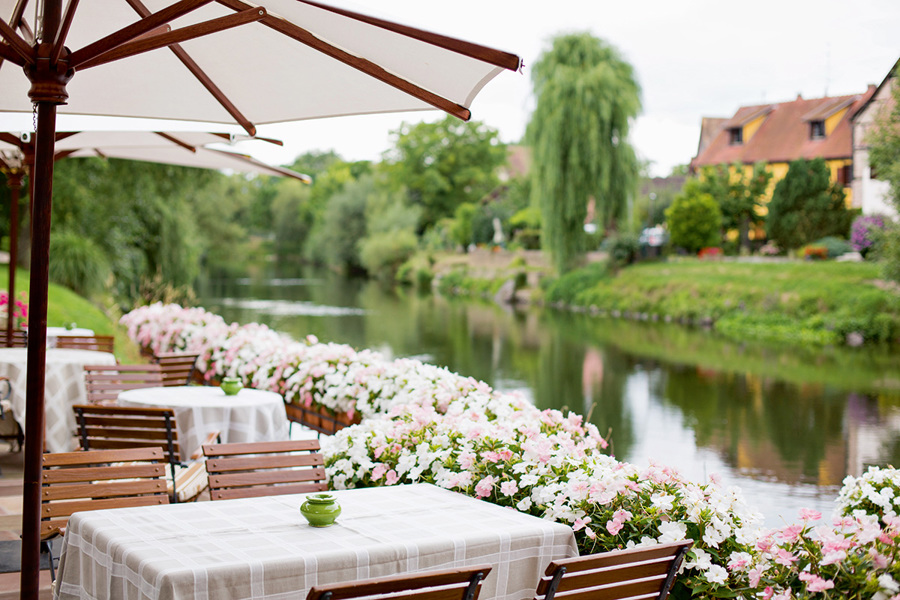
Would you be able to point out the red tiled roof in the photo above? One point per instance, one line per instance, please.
(784, 134)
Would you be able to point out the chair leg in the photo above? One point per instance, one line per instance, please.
(46, 547)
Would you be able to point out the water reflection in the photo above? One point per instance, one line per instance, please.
(785, 425)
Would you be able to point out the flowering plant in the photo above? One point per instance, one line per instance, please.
(855, 557)
(20, 309)
(864, 232)
(876, 492)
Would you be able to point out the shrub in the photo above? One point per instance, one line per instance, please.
(461, 230)
(712, 253)
(834, 245)
(569, 286)
(806, 206)
(78, 263)
(694, 220)
(383, 253)
(623, 250)
(865, 233)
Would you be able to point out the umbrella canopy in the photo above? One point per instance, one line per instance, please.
(182, 148)
(212, 61)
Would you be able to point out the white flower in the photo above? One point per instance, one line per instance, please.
(716, 574)
(672, 531)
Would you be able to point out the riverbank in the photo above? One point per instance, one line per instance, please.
(798, 302)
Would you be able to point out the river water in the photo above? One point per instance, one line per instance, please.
(786, 425)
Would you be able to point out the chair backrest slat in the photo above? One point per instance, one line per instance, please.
(177, 367)
(94, 480)
(104, 382)
(100, 343)
(448, 584)
(247, 470)
(19, 339)
(633, 574)
(101, 427)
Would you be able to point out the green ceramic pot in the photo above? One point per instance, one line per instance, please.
(232, 385)
(320, 510)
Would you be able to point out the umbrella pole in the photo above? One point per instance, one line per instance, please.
(14, 182)
(37, 348)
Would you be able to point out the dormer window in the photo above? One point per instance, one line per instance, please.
(736, 136)
(816, 130)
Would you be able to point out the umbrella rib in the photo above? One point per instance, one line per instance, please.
(63, 32)
(361, 64)
(201, 76)
(135, 30)
(11, 140)
(176, 141)
(476, 51)
(146, 44)
(17, 46)
(7, 53)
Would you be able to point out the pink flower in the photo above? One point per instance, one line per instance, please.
(614, 527)
(754, 576)
(391, 478)
(807, 514)
(484, 487)
(790, 532)
(814, 583)
(785, 558)
(767, 593)
(580, 523)
(379, 471)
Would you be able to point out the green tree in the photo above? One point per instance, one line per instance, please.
(442, 165)
(806, 206)
(694, 219)
(587, 96)
(739, 194)
(344, 225)
(293, 218)
(884, 156)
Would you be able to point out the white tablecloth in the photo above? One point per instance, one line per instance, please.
(54, 332)
(64, 386)
(250, 416)
(263, 548)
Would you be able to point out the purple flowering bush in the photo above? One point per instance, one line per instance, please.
(865, 232)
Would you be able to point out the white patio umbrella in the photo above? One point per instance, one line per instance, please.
(182, 148)
(227, 61)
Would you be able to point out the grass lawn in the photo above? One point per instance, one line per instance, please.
(65, 306)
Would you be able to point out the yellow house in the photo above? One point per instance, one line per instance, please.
(776, 134)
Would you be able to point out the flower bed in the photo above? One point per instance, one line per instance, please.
(421, 423)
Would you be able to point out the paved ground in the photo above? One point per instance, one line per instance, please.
(11, 519)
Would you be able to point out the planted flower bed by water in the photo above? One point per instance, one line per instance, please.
(414, 422)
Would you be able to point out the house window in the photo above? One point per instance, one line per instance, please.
(736, 136)
(845, 175)
(816, 130)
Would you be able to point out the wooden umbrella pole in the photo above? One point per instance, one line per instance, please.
(14, 182)
(37, 351)
(48, 89)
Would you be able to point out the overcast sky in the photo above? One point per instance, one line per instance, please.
(692, 58)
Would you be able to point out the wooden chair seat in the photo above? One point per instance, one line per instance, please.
(100, 343)
(448, 584)
(104, 382)
(177, 367)
(645, 573)
(117, 427)
(264, 469)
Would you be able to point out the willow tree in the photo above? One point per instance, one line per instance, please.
(586, 98)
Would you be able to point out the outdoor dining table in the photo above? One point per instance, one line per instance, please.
(263, 548)
(64, 387)
(249, 416)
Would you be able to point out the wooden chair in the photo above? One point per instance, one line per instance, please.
(264, 469)
(177, 367)
(448, 584)
(10, 430)
(104, 382)
(81, 481)
(19, 339)
(645, 573)
(100, 343)
(118, 427)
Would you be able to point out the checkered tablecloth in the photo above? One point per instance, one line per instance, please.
(250, 416)
(263, 548)
(63, 387)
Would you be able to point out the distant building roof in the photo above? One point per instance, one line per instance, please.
(784, 134)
